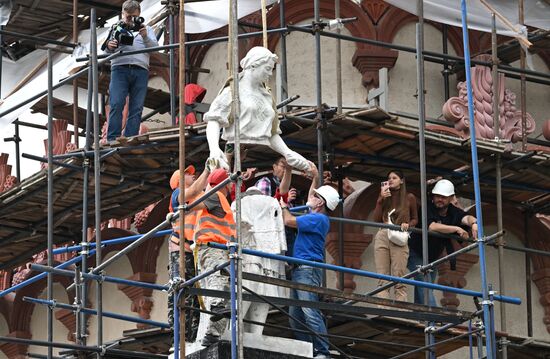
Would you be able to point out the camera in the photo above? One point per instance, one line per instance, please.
(138, 23)
(122, 32)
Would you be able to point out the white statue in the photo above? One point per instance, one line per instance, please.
(258, 119)
(262, 229)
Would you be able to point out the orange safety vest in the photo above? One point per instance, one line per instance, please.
(189, 226)
(210, 228)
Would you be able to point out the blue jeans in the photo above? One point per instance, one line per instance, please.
(313, 318)
(125, 82)
(414, 261)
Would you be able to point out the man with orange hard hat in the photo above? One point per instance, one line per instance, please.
(193, 188)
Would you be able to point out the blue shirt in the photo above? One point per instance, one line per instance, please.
(310, 241)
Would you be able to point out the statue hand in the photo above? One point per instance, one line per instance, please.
(217, 159)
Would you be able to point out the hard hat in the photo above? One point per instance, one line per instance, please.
(175, 179)
(330, 195)
(444, 188)
(217, 176)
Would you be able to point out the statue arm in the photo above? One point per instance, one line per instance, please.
(293, 158)
(213, 138)
(216, 118)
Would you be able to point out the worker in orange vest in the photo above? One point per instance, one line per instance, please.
(215, 223)
(193, 189)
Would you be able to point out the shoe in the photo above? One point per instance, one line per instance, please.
(220, 312)
(209, 339)
(321, 356)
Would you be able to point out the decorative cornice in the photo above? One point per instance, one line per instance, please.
(142, 302)
(369, 59)
(510, 123)
(456, 278)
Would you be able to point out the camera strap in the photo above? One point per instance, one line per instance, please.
(109, 37)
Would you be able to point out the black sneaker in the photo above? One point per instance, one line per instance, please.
(209, 339)
(220, 312)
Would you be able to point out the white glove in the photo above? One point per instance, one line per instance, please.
(217, 159)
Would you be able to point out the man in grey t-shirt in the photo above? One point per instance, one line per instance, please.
(129, 74)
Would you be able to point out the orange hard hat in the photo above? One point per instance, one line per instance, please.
(175, 179)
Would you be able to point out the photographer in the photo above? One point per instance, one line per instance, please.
(129, 74)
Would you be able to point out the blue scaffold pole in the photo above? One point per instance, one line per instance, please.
(127, 318)
(40, 276)
(109, 242)
(486, 302)
(233, 290)
(364, 273)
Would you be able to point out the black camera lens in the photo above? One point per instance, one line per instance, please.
(138, 22)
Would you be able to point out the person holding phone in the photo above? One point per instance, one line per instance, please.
(394, 205)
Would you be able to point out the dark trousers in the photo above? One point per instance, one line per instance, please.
(191, 316)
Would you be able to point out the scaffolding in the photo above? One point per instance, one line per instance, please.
(483, 319)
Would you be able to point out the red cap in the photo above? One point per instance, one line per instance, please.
(217, 176)
(175, 179)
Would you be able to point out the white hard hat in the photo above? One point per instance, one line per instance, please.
(330, 195)
(444, 188)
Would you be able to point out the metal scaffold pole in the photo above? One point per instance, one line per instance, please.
(172, 8)
(85, 189)
(75, 81)
(429, 337)
(318, 90)
(237, 333)
(181, 87)
(338, 60)
(50, 200)
(487, 303)
(498, 179)
(97, 175)
(523, 87)
(283, 94)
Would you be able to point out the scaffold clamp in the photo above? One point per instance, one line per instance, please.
(170, 217)
(174, 284)
(487, 302)
(425, 269)
(85, 248)
(101, 277)
(479, 324)
(430, 329)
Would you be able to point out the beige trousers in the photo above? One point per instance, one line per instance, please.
(390, 259)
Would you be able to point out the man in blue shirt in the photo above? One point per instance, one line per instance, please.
(310, 245)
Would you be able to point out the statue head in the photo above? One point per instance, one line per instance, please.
(260, 62)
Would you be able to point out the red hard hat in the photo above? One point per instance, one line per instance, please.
(217, 176)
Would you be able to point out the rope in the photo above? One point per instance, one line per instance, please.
(264, 23)
(229, 43)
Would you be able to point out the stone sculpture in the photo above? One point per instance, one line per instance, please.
(258, 119)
